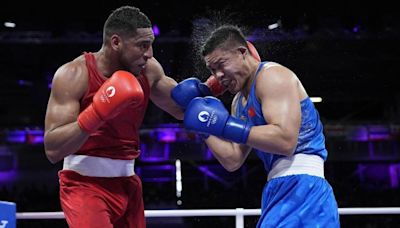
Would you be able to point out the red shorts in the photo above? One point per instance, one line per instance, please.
(101, 201)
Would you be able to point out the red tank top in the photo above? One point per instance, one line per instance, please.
(118, 138)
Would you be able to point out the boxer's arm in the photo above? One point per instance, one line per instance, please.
(161, 87)
(280, 102)
(63, 136)
(231, 155)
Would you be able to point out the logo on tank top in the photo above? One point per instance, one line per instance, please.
(251, 112)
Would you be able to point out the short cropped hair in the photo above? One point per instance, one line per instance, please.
(124, 21)
(225, 37)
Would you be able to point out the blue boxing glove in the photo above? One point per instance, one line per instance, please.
(209, 115)
(190, 88)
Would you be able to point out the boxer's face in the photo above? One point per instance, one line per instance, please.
(137, 50)
(228, 67)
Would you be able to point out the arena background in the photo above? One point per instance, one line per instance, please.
(347, 53)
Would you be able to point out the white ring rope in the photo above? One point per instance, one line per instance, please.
(216, 212)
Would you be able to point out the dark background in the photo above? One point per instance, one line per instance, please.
(345, 52)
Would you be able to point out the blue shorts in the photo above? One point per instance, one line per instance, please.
(298, 201)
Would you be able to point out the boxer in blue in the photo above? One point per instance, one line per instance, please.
(273, 116)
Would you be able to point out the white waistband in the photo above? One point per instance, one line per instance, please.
(99, 166)
(298, 164)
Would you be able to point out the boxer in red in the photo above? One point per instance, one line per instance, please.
(95, 109)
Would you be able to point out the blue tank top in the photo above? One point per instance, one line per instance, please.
(311, 139)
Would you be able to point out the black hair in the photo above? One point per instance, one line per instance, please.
(225, 36)
(205, 27)
(124, 21)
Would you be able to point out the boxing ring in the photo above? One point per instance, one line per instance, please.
(159, 152)
(238, 213)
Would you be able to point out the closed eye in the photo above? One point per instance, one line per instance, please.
(218, 65)
(212, 70)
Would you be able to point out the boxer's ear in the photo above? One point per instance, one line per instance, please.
(253, 51)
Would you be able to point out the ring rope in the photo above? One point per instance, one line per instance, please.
(215, 212)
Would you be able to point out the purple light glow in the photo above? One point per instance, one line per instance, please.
(358, 134)
(156, 173)
(8, 176)
(33, 140)
(169, 133)
(166, 135)
(7, 161)
(251, 38)
(16, 137)
(158, 179)
(379, 176)
(394, 172)
(378, 132)
(26, 136)
(162, 168)
(8, 164)
(154, 152)
(368, 133)
(209, 154)
(208, 172)
(156, 30)
(34, 137)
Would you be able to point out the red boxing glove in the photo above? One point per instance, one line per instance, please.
(253, 51)
(216, 88)
(119, 91)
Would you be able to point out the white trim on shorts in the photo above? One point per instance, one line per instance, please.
(99, 166)
(298, 164)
